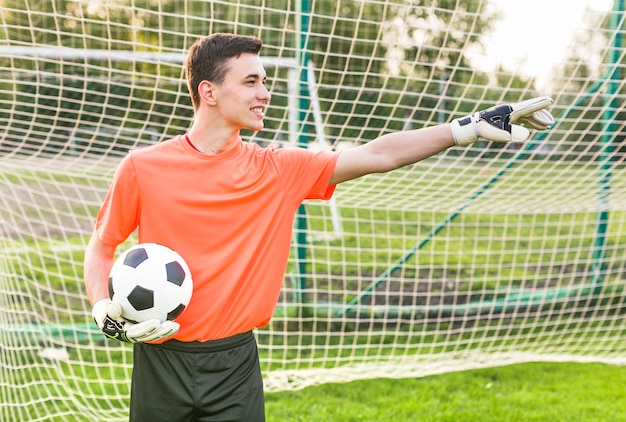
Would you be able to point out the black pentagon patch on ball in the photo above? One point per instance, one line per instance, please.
(175, 273)
(174, 314)
(141, 298)
(111, 287)
(135, 257)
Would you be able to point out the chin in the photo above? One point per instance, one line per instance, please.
(257, 127)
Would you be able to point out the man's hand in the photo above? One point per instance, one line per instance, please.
(503, 123)
(108, 317)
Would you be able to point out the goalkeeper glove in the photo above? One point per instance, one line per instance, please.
(502, 123)
(108, 316)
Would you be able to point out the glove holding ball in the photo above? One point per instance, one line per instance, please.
(108, 316)
(150, 285)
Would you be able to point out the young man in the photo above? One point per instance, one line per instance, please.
(227, 207)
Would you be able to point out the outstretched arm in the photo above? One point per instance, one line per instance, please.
(388, 152)
(391, 151)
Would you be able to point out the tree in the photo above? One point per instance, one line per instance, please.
(382, 66)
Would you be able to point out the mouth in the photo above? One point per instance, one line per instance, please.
(258, 111)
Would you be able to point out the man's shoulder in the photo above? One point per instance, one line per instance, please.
(287, 150)
(166, 147)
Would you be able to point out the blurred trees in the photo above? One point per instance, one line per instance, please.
(379, 66)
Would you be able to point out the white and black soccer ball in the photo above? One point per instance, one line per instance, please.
(150, 281)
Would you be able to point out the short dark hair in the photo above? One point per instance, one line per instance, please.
(208, 57)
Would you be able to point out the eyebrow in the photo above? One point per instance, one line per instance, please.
(255, 76)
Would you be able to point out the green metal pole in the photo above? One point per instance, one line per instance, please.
(303, 9)
(613, 78)
(512, 299)
(522, 154)
(607, 147)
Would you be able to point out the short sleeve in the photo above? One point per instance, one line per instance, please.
(305, 173)
(118, 216)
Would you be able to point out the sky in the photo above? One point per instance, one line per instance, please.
(534, 36)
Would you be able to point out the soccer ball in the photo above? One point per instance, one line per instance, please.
(150, 281)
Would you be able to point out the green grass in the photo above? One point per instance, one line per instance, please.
(547, 392)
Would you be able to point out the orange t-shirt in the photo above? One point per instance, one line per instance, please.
(230, 216)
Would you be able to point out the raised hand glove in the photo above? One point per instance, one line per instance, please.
(108, 317)
(502, 123)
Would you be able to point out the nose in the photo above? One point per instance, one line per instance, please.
(264, 94)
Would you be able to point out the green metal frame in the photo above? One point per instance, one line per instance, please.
(303, 9)
(611, 80)
(608, 147)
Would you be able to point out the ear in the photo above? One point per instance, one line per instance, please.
(206, 92)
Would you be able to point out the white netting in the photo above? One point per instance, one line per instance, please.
(476, 257)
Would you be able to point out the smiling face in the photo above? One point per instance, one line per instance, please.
(241, 98)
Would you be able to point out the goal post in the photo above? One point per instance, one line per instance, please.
(480, 256)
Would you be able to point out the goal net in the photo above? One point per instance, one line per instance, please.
(479, 256)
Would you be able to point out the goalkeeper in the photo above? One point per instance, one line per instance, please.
(227, 206)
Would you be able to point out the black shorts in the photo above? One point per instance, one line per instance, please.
(217, 380)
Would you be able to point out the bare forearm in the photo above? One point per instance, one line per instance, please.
(98, 263)
(402, 148)
(392, 151)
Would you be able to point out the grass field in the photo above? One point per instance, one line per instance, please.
(550, 392)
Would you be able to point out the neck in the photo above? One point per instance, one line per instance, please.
(211, 142)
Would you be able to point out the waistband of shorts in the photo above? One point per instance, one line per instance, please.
(209, 346)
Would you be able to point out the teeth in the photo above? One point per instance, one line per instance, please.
(257, 109)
